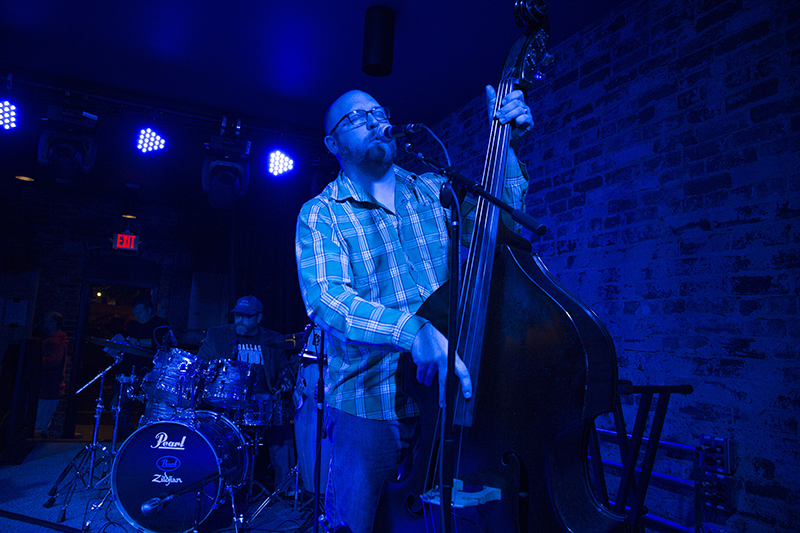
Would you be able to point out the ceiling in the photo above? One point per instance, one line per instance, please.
(278, 63)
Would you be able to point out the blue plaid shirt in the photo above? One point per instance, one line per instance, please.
(364, 271)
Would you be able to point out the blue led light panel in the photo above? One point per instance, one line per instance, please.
(8, 115)
(279, 163)
(149, 141)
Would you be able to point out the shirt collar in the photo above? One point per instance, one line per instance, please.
(344, 188)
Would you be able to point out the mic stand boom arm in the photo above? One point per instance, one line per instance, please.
(476, 189)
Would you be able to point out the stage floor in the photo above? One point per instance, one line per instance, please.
(24, 491)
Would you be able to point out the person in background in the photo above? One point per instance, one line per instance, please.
(245, 340)
(148, 331)
(54, 361)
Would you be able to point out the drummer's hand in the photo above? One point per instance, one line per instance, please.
(429, 352)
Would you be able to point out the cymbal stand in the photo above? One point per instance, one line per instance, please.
(117, 409)
(253, 440)
(85, 462)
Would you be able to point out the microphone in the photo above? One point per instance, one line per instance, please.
(387, 132)
(151, 506)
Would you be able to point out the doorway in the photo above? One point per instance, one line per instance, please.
(105, 311)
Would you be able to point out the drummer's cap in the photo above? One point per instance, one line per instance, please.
(247, 305)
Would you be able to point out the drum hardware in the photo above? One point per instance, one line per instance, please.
(97, 507)
(91, 456)
(293, 474)
(294, 341)
(253, 442)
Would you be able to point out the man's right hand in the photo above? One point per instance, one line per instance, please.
(429, 352)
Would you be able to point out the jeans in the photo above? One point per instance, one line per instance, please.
(44, 414)
(365, 454)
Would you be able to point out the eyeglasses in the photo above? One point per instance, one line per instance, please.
(359, 116)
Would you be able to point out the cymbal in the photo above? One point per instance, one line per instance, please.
(122, 346)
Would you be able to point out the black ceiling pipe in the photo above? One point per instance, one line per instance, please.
(378, 41)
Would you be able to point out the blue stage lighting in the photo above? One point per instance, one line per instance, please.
(149, 141)
(279, 163)
(8, 115)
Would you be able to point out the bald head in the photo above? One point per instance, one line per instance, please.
(346, 103)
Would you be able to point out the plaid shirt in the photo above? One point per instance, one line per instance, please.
(364, 271)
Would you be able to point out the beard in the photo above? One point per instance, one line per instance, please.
(244, 332)
(375, 156)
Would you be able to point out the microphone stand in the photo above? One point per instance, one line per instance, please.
(320, 418)
(154, 505)
(449, 198)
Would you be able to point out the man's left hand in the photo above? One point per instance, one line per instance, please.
(513, 110)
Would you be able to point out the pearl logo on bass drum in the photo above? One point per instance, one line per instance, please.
(168, 463)
(163, 442)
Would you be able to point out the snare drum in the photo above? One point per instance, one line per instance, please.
(269, 411)
(158, 461)
(228, 384)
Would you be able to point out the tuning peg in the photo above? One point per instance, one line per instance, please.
(547, 59)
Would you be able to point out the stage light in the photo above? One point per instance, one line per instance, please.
(8, 115)
(226, 171)
(149, 141)
(67, 144)
(279, 163)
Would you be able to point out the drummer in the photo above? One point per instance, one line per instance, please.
(145, 331)
(245, 340)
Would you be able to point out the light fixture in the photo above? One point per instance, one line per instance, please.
(67, 145)
(149, 141)
(226, 171)
(8, 115)
(279, 163)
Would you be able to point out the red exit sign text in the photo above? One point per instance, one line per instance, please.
(126, 241)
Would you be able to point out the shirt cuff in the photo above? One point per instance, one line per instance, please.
(408, 332)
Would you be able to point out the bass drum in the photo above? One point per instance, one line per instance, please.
(164, 465)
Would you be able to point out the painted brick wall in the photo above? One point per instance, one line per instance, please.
(665, 163)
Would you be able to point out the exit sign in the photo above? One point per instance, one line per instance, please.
(126, 241)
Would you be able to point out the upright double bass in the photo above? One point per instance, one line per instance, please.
(543, 368)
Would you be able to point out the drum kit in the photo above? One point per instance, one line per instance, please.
(196, 442)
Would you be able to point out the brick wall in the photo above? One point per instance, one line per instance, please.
(665, 163)
(58, 231)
